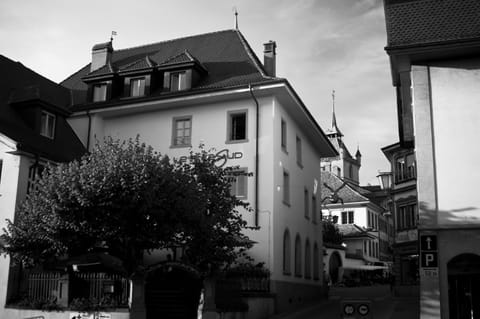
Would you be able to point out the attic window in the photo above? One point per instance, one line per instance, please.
(47, 125)
(178, 81)
(137, 87)
(99, 92)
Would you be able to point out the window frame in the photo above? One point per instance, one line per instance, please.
(182, 81)
(298, 256)
(403, 171)
(407, 219)
(306, 203)
(314, 209)
(175, 120)
(140, 92)
(244, 176)
(299, 150)
(286, 188)
(287, 253)
(45, 127)
(283, 135)
(105, 93)
(308, 260)
(230, 126)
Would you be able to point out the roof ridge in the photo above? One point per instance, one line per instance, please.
(251, 54)
(171, 40)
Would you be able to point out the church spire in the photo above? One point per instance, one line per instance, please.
(335, 129)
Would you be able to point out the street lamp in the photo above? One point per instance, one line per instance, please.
(385, 179)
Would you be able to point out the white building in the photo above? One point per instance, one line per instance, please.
(212, 89)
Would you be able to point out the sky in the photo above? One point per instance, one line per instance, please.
(322, 45)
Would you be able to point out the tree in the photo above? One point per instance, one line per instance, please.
(131, 200)
(331, 234)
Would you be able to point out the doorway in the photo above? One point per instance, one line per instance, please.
(464, 286)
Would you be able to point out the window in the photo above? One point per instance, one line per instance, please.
(316, 264)
(347, 217)
(306, 207)
(47, 124)
(314, 209)
(182, 131)
(407, 216)
(284, 135)
(299, 151)
(286, 187)
(34, 173)
(237, 126)
(298, 256)
(405, 168)
(178, 81)
(286, 252)
(365, 247)
(308, 260)
(238, 186)
(137, 87)
(100, 92)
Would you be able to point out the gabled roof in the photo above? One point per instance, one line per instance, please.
(346, 191)
(21, 87)
(225, 54)
(140, 64)
(421, 22)
(353, 231)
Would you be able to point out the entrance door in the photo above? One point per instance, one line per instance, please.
(334, 265)
(464, 287)
(172, 292)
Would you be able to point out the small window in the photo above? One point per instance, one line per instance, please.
(238, 185)
(314, 209)
(178, 81)
(47, 125)
(286, 187)
(286, 252)
(237, 126)
(347, 217)
(99, 92)
(306, 207)
(284, 135)
(1, 165)
(308, 260)
(298, 256)
(182, 132)
(137, 87)
(299, 151)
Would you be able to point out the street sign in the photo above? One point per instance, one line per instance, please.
(428, 242)
(356, 309)
(429, 259)
(429, 272)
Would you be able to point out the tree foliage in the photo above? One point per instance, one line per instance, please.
(331, 234)
(130, 199)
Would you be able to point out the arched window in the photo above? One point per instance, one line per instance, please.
(298, 256)
(308, 260)
(286, 252)
(316, 264)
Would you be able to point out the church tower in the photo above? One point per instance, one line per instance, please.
(344, 165)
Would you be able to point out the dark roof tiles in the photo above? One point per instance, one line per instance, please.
(431, 21)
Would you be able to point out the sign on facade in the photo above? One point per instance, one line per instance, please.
(428, 256)
(87, 315)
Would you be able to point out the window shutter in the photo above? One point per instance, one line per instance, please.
(166, 80)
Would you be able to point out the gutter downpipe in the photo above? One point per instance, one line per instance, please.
(89, 130)
(256, 153)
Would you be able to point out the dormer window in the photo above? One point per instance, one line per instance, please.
(100, 92)
(178, 81)
(47, 124)
(137, 87)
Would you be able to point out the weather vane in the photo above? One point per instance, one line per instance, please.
(114, 33)
(236, 17)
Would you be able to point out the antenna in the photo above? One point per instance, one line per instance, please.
(236, 17)
(114, 33)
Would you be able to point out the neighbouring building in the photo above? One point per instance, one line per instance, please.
(358, 211)
(212, 89)
(403, 206)
(434, 49)
(33, 132)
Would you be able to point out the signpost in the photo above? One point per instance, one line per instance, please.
(356, 309)
(428, 255)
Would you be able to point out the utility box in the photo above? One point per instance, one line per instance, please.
(356, 309)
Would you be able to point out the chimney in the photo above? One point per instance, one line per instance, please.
(269, 53)
(101, 55)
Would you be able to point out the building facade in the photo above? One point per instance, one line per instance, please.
(211, 89)
(33, 133)
(433, 48)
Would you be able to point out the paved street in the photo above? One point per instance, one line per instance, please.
(383, 305)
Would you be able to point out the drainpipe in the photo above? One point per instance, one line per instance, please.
(256, 152)
(89, 129)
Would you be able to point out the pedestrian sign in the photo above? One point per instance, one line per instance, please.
(428, 242)
(356, 309)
